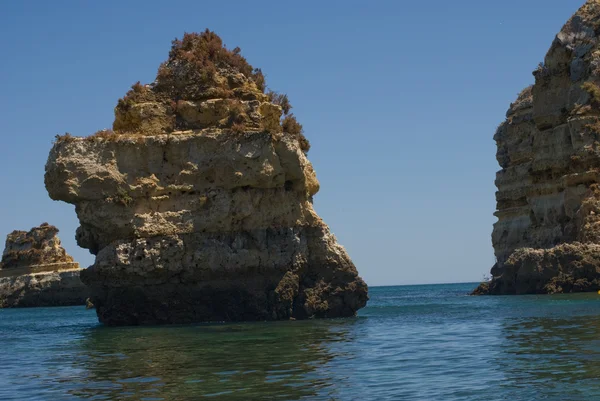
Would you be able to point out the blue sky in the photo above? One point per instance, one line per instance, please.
(400, 100)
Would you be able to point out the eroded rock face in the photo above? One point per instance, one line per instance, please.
(202, 220)
(548, 198)
(36, 271)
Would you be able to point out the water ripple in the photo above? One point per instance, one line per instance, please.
(410, 343)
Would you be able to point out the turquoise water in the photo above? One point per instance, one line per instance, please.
(411, 343)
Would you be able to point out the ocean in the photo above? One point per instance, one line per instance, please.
(425, 342)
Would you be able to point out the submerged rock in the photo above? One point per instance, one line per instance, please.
(547, 238)
(36, 271)
(89, 304)
(198, 206)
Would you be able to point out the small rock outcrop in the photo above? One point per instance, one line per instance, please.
(547, 238)
(198, 203)
(36, 271)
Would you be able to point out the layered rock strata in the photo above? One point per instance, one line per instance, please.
(547, 236)
(36, 271)
(198, 204)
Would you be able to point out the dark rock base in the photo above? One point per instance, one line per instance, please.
(265, 274)
(254, 299)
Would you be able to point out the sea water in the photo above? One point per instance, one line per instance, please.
(427, 342)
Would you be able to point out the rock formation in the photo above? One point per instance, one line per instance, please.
(36, 271)
(547, 238)
(198, 203)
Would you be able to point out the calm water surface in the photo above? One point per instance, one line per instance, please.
(426, 342)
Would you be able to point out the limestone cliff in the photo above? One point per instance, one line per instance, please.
(547, 236)
(36, 271)
(198, 204)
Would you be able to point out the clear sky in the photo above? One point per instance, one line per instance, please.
(400, 100)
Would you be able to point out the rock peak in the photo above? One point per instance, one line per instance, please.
(204, 85)
(200, 67)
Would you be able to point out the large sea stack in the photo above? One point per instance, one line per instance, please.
(547, 238)
(37, 271)
(198, 202)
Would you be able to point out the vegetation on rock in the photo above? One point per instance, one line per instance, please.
(194, 63)
(199, 71)
(294, 128)
(594, 90)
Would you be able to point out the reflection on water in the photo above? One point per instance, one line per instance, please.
(546, 356)
(410, 343)
(267, 361)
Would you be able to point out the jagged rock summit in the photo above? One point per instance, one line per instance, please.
(198, 203)
(37, 271)
(547, 238)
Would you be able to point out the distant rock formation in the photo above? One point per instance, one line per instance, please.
(198, 204)
(36, 271)
(547, 238)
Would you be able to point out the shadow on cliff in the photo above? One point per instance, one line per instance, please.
(281, 360)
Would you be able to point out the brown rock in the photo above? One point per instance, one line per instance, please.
(37, 271)
(213, 219)
(40, 246)
(548, 198)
